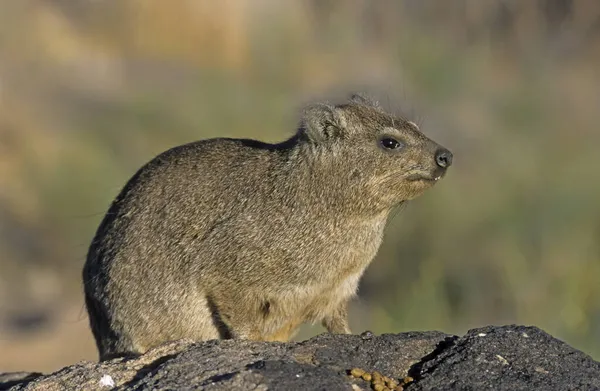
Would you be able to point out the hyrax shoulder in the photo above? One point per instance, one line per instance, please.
(230, 238)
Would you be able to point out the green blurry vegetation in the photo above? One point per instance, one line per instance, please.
(90, 91)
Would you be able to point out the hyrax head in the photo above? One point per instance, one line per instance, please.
(384, 157)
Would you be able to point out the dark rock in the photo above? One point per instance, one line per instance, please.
(13, 378)
(507, 358)
(499, 358)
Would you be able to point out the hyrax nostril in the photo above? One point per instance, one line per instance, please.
(443, 158)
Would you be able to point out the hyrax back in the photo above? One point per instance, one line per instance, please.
(229, 238)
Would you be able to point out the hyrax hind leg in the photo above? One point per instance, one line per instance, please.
(142, 327)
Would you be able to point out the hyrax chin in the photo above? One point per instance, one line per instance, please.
(232, 238)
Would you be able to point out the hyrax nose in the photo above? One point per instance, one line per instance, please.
(443, 158)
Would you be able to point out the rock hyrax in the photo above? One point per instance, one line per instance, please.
(237, 238)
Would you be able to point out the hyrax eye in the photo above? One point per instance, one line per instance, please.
(390, 143)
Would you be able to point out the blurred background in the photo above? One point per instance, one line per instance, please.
(92, 89)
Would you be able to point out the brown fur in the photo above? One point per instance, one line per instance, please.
(229, 238)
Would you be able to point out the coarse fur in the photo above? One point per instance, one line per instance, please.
(234, 238)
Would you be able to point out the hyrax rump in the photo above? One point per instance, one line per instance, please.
(234, 238)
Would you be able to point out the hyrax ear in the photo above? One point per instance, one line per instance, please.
(322, 122)
(365, 100)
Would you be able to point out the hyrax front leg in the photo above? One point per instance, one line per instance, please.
(337, 321)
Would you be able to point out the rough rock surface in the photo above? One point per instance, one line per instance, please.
(498, 358)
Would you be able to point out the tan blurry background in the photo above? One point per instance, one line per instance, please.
(91, 90)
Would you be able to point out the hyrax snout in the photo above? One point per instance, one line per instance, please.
(236, 238)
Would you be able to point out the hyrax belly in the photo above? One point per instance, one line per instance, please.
(281, 316)
(320, 298)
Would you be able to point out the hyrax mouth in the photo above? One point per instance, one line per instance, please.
(432, 173)
(425, 177)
